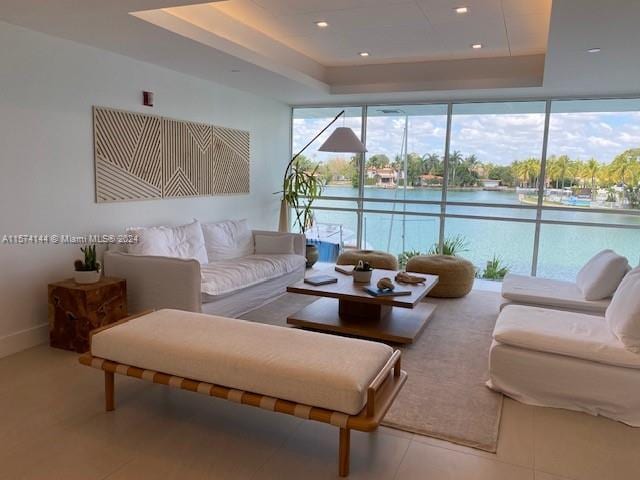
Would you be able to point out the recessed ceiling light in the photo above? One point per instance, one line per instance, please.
(364, 54)
(461, 9)
(594, 50)
(476, 46)
(322, 24)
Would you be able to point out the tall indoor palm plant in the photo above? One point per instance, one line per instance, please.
(301, 187)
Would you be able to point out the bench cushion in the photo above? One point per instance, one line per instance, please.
(549, 293)
(305, 367)
(571, 334)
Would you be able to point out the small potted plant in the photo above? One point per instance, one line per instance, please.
(362, 272)
(87, 271)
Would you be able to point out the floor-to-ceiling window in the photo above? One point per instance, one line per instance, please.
(403, 171)
(476, 177)
(493, 180)
(592, 197)
(335, 218)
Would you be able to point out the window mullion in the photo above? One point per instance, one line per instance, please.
(542, 177)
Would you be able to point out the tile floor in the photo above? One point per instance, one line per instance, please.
(52, 426)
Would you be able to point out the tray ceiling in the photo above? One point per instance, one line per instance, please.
(391, 31)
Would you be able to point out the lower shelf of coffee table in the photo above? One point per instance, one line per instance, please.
(397, 325)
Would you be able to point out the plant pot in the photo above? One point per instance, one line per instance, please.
(312, 254)
(84, 278)
(362, 276)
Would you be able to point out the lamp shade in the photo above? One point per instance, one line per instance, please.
(343, 140)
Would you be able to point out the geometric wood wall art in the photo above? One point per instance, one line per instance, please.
(231, 161)
(188, 159)
(140, 156)
(127, 155)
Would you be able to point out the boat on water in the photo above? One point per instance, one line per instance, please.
(576, 201)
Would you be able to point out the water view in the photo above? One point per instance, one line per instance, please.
(590, 178)
(563, 248)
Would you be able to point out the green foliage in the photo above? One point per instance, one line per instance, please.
(300, 189)
(404, 257)
(464, 171)
(503, 173)
(90, 262)
(451, 246)
(494, 270)
(378, 161)
(363, 266)
(304, 163)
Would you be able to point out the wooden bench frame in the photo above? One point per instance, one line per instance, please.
(380, 395)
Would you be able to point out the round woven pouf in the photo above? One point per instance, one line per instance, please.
(375, 258)
(456, 274)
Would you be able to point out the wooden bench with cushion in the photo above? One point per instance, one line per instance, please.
(344, 382)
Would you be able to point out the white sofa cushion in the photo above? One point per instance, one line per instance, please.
(623, 315)
(549, 293)
(572, 334)
(227, 276)
(274, 244)
(184, 241)
(305, 367)
(228, 239)
(601, 275)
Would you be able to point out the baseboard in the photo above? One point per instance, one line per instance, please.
(16, 342)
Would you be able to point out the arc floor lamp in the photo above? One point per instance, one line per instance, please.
(341, 140)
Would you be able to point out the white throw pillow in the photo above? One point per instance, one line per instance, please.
(601, 275)
(227, 240)
(184, 241)
(623, 314)
(274, 244)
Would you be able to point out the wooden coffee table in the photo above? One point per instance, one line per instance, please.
(347, 309)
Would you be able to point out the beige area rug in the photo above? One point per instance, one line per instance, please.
(445, 396)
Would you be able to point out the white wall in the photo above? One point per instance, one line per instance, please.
(47, 89)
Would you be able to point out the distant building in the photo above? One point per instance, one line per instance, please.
(489, 183)
(384, 177)
(428, 179)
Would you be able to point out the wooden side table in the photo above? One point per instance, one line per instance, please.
(75, 310)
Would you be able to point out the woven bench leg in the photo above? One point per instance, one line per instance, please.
(109, 391)
(345, 445)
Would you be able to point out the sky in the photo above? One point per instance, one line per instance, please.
(498, 139)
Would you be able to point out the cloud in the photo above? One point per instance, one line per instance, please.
(499, 138)
(602, 142)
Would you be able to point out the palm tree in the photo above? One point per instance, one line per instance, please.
(516, 168)
(431, 162)
(531, 171)
(454, 159)
(591, 169)
(626, 164)
(562, 165)
(619, 167)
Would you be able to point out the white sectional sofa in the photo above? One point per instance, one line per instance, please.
(565, 360)
(548, 293)
(572, 360)
(591, 292)
(228, 272)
